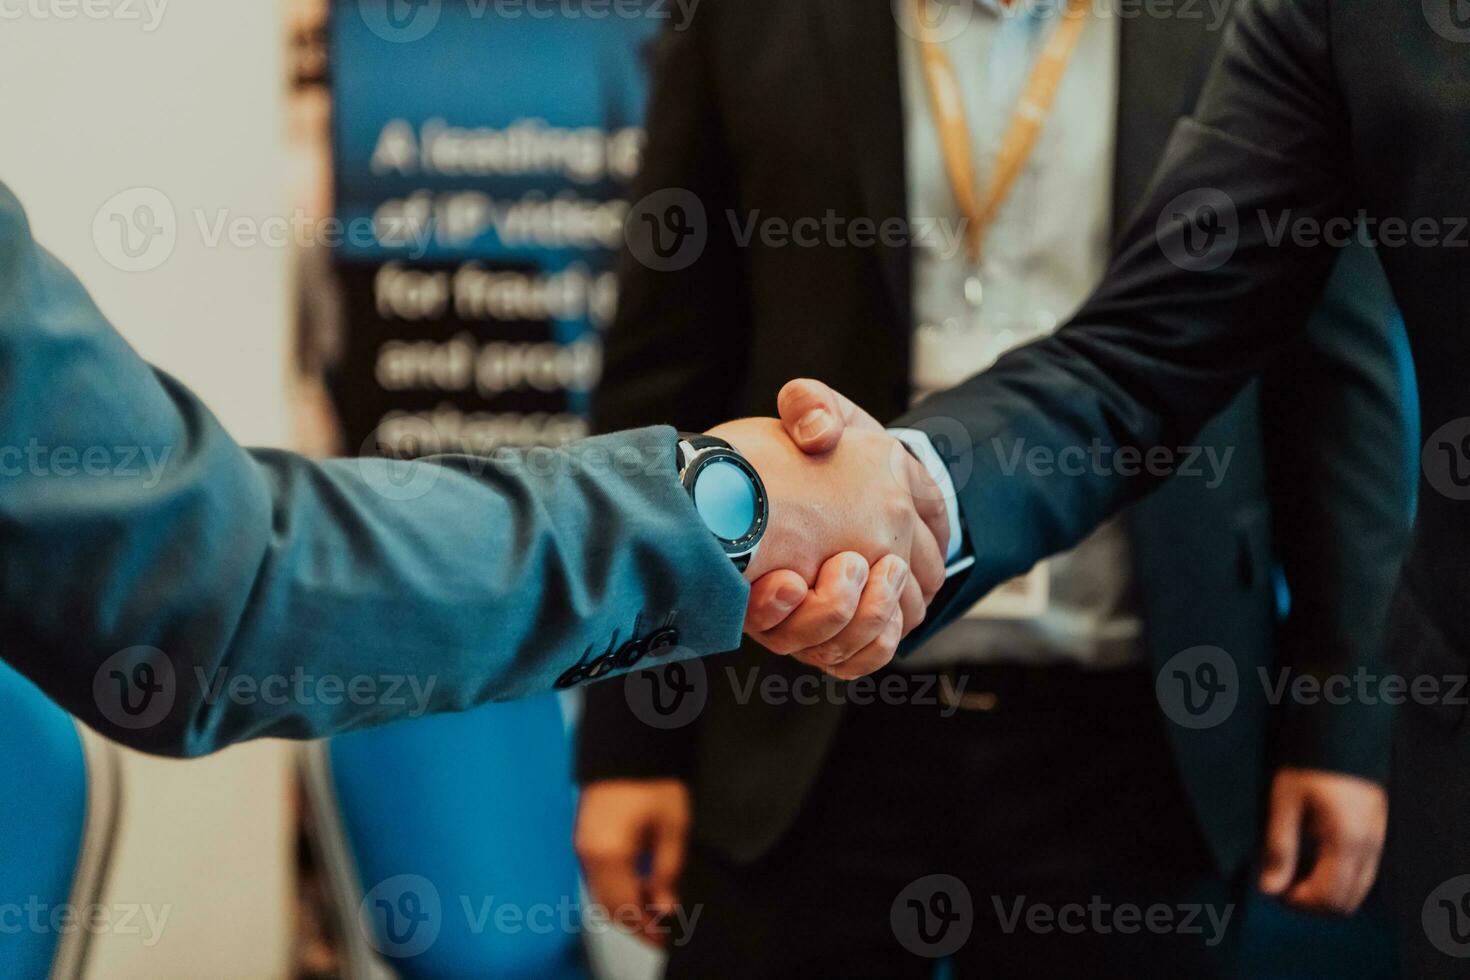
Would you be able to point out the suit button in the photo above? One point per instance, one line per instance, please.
(571, 677)
(628, 654)
(601, 667)
(661, 643)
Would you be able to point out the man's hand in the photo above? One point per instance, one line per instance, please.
(816, 415)
(1345, 818)
(619, 821)
(867, 496)
(783, 615)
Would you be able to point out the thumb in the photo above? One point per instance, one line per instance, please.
(663, 880)
(1283, 839)
(815, 416)
(773, 598)
(668, 863)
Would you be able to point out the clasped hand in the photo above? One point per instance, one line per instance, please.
(854, 550)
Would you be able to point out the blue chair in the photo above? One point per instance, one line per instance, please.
(58, 824)
(448, 844)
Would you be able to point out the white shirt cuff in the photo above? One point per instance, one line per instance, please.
(923, 449)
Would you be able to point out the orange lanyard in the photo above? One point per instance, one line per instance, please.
(948, 103)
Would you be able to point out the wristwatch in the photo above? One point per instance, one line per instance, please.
(727, 492)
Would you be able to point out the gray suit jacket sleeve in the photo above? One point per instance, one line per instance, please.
(180, 593)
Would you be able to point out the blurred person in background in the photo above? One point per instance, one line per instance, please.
(1048, 769)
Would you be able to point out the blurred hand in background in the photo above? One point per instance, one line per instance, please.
(1342, 819)
(630, 837)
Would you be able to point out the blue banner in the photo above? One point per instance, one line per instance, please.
(483, 153)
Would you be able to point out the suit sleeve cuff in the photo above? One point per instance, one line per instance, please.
(958, 556)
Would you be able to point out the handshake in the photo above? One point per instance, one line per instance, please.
(855, 547)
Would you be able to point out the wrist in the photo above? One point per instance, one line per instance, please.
(728, 494)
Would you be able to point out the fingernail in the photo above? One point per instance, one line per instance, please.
(814, 425)
(857, 569)
(787, 597)
(898, 575)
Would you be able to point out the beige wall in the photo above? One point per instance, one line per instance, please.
(188, 102)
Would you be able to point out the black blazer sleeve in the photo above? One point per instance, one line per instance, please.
(1337, 435)
(677, 347)
(1171, 335)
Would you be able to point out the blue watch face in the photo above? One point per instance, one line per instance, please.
(725, 498)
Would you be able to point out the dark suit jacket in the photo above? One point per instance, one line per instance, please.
(1316, 112)
(794, 109)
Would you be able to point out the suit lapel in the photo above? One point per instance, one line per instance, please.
(859, 45)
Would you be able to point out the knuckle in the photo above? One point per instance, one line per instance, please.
(807, 658)
(874, 616)
(843, 608)
(834, 651)
(783, 640)
(897, 508)
(887, 644)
